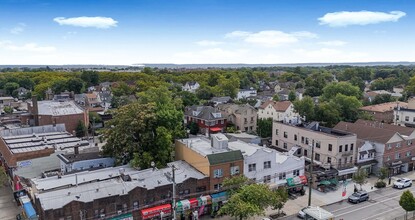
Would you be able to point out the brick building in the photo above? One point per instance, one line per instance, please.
(55, 112)
(383, 112)
(118, 192)
(211, 157)
(244, 116)
(209, 119)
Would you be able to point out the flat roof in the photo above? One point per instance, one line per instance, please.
(70, 158)
(56, 108)
(202, 146)
(89, 191)
(245, 148)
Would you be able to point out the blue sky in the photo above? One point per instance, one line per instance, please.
(205, 31)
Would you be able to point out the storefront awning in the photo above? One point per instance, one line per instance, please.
(219, 197)
(215, 129)
(186, 204)
(296, 180)
(204, 200)
(324, 182)
(347, 171)
(155, 211)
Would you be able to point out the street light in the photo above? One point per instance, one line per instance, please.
(311, 173)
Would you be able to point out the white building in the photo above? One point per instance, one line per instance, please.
(191, 87)
(245, 93)
(267, 165)
(278, 111)
(405, 116)
(369, 156)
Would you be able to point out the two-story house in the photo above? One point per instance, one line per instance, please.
(246, 93)
(244, 117)
(367, 154)
(395, 143)
(278, 111)
(404, 115)
(212, 157)
(191, 87)
(209, 119)
(333, 148)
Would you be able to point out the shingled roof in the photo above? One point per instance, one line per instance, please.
(373, 131)
(384, 107)
(281, 106)
(225, 157)
(204, 112)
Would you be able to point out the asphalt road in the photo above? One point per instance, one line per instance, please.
(382, 205)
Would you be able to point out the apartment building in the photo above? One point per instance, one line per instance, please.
(332, 148)
(395, 148)
(244, 117)
(212, 157)
(404, 115)
(209, 119)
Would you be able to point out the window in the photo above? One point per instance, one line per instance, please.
(397, 155)
(406, 118)
(318, 144)
(397, 117)
(351, 147)
(328, 159)
(388, 158)
(124, 207)
(330, 147)
(389, 146)
(276, 131)
(296, 172)
(281, 176)
(245, 120)
(201, 189)
(413, 119)
(267, 179)
(217, 186)
(408, 154)
(409, 142)
(135, 205)
(276, 142)
(340, 162)
(217, 173)
(317, 157)
(306, 140)
(285, 145)
(346, 147)
(252, 167)
(305, 152)
(340, 148)
(295, 137)
(234, 170)
(302, 139)
(285, 134)
(398, 144)
(351, 159)
(252, 119)
(267, 164)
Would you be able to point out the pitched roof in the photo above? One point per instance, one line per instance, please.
(384, 107)
(280, 106)
(204, 112)
(373, 131)
(225, 157)
(236, 109)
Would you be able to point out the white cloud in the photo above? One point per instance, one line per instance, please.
(346, 18)
(207, 43)
(333, 43)
(29, 47)
(329, 55)
(270, 38)
(18, 29)
(96, 22)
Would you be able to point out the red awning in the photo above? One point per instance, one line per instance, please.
(303, 179)
(215, 129)
(193, 203)
(155, 211)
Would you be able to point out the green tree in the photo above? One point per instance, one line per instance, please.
(280, 197)
(10, 87)
(3, 177)
(189, 98)
(345, 88)
(234, 184)
(8, 109)
(59, 86)
(383, 173)
(328, 113)
(204, 93)
(383, 98)
(122, 89)
(194, 128)
(91, 78)
(305, 107)
(75, 85)
(407, 202)
(264, 127)
(360, 177)
(348, 106)
(80, 129)
(276, 97)
(228, 87)
(292, 96)
(250, 201)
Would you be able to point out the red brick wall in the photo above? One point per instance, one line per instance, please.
(226, 167)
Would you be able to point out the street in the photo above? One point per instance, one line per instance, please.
(382, 205)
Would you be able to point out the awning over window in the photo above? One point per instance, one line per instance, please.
(297, 180)
(155, 211)
(215, 129)
(219, 197)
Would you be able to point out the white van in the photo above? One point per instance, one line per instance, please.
(315, 213)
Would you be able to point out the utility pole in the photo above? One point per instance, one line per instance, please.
(310, 180)
(174, 191)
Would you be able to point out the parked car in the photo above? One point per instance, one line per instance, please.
(402, 183)
(359, 196)
(301, 213)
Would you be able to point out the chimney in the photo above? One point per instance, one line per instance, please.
(35, 110)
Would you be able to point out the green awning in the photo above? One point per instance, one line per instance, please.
(325, 182)
(290, 182)
(334, 181)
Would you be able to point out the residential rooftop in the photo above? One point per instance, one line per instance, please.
(55, 108)
(71, 158)
(384, 107)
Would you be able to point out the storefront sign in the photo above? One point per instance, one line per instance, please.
(156, 211)
(219, 197)
(128, 216)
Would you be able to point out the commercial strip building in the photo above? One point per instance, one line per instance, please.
(394, 145)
